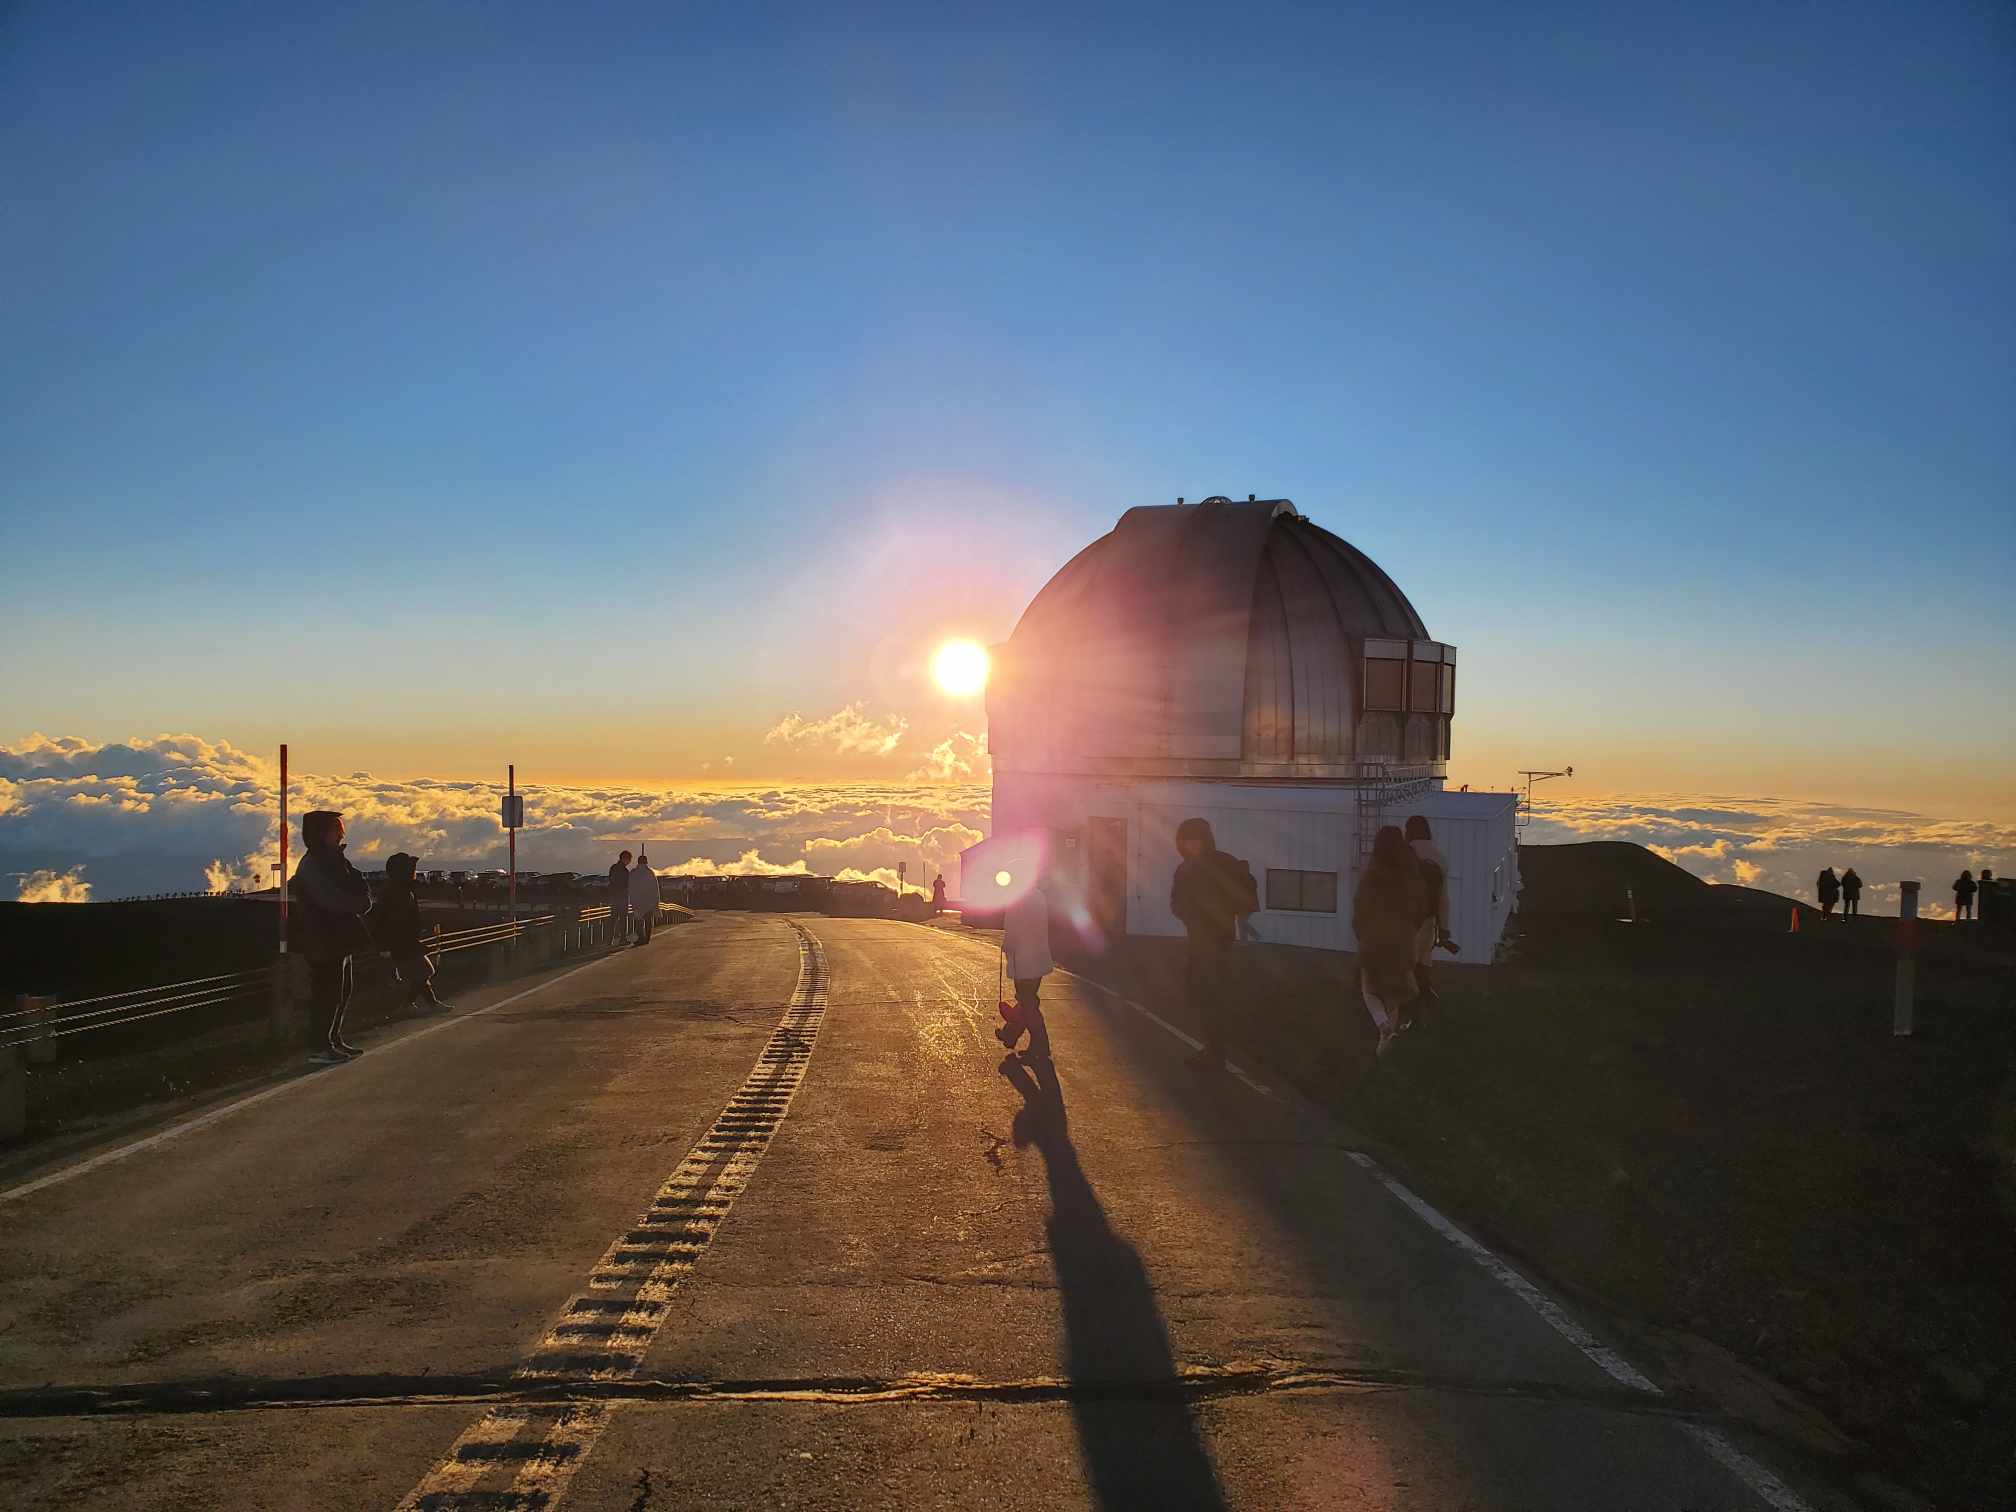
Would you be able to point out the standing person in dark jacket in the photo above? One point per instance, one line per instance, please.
(330, 898)
(1829, 888)
(395, 922)
(1964, 889)
(619, 899)
(1211, 893)
(1386, 915)
(1851, 894)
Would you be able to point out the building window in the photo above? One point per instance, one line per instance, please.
(1423, 696)
(1385, 683)
(1301, 891)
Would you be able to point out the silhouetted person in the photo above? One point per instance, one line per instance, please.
(330, 898)
(938, 895)
(395, 921)
(619, 899)
(1025, 948)
(644, 897)
(1434, 928)
(1851, 894)
(1829, 888)
(1985, 902)
(1964, 889)
(1210, 894)
(1386, 915)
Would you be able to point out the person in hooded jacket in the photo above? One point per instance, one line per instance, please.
(1964, 888)
(329, 899)
(1025, 949)
(1829, 888)
(1386, 915)
(644, 897)
(1851, 894)
(395, 922)
(1211, 893)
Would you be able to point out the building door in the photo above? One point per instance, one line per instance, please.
(1106, 874)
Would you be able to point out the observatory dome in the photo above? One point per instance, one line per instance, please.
(1221, 639)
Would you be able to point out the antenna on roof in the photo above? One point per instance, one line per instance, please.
(1526, 804)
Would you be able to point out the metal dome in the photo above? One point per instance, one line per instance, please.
(1220, 639)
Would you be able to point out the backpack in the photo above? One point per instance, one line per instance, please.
(1241, 892)
(1436, 880)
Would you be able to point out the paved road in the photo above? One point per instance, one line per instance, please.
(754, 1218)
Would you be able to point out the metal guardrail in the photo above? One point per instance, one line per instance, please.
(51, 1018)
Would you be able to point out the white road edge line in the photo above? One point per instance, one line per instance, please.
(204, 1120)
(1767, 1487)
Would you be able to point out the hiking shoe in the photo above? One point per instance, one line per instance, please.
(345, 1049)
(1009, 1034)
(1389, 1036)
(1205, 1061)
(326, 1058)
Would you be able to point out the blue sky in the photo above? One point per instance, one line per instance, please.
(380, 379)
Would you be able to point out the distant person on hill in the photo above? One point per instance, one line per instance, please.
(644, 897)
(1025, 950)
(1830, 890)
(1964, 889)
(1851, 894)
(619, 899)
(395, 922)
(937, 895)
(1386, 915)
(1434, 929)
(1985, 902)
(1211, 894)
(330, 898)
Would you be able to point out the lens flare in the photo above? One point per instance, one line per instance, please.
(960, 668)
(1003, 879)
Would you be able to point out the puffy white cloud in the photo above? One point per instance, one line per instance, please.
(54, 887)
(959, 757)
(849, 731)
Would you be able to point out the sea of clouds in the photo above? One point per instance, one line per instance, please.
(173, 813)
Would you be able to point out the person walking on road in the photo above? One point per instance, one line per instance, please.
(1025, 952)
(619, 899)
(644, 897)
(395, 922)
(1386, 915)
(1211, 894)
(1829, 888)
(330, 899)
(1851, 894)
(1964, 888)
(1434, 928)
(937, 895)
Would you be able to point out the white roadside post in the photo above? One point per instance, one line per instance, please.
(1901, 1018)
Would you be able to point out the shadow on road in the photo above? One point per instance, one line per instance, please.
(1135, 1433)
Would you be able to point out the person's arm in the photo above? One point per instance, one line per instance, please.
(342, 892)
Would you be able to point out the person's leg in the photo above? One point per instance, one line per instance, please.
(324, 987)
(1205, 986)
(1029, 1005)
(345, 983)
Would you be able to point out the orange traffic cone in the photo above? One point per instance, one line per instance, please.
(1795, 922)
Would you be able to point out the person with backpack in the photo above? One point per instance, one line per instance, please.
(1851, 894)
(330, 899)
(1386, 915)
(1211, 894)
(1964, 888)
(1434, 930)
(395, 922)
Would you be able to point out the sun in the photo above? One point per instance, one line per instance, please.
(960, 668)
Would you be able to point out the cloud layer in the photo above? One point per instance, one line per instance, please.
(179, 813)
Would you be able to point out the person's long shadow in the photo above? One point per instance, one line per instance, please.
(1140, 1445)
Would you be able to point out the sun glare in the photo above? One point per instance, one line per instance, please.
(960, 668)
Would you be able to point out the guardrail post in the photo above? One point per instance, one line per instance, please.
(13, 1092)
(35, 1015)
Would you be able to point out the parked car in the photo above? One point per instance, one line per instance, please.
(436, 878)
(458, 879)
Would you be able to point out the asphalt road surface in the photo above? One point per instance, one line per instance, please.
(755, 1217)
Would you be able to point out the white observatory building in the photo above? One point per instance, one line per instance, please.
(1239, 662)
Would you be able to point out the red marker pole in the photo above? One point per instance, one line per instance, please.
(283, 847)
(1904, 1010)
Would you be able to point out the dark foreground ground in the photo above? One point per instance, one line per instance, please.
(564, 1251)
(1708, 1131)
